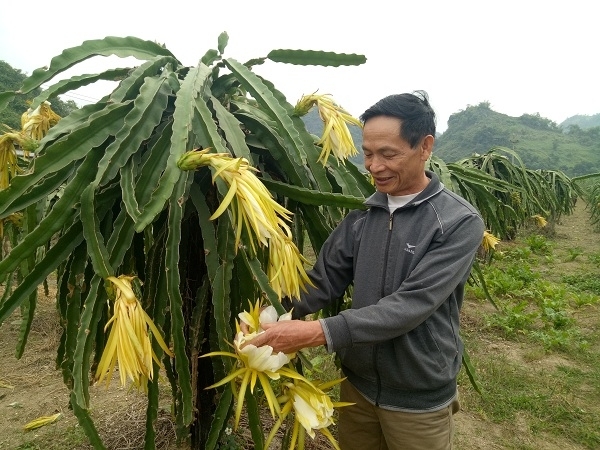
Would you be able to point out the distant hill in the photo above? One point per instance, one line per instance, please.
(538, 141)
(582, 121)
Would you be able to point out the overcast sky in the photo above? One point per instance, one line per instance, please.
(524, 56)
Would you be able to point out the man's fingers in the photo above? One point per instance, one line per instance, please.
(258, 340)
(290, 336)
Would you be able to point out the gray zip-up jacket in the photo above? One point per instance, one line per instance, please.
(399, 344)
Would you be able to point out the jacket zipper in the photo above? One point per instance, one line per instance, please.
(382, 293)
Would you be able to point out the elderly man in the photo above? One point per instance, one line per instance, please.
(408, 256)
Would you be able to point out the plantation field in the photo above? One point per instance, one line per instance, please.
(537, 362)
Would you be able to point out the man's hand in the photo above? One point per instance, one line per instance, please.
(289, 336)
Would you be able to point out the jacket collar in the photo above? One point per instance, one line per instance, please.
(434, 187)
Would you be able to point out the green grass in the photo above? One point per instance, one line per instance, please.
(589, 282)
(53, 438)
(546, 377)
(550, 401)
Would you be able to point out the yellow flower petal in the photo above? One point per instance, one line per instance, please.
(336, 137)
(540, 221)
(313, 407)
(489, 241)
(129, 343)
(41, 421)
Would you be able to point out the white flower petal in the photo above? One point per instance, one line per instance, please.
(268, 315)
(316, 406)
(306, 415)
(262, 358)
(286, 316)
(242, 338)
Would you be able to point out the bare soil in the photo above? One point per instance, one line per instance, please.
(31, 387)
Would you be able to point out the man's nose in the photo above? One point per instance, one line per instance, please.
(376, 164)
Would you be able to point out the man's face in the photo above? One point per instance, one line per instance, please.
(396, 168)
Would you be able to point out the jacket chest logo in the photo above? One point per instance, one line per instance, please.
(410, 248)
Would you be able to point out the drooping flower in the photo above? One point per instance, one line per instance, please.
(540, 220)
(129, 343)
(336, 136)
(253, 206)
(254, 363)
(9, 167)
(36, 123)
(255, 210)
(489, 241)
(285, 268)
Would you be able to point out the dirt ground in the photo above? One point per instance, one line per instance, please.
(31, 387)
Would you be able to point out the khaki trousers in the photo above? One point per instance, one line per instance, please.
(364, 426)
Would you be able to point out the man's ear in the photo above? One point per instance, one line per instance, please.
(427, 147)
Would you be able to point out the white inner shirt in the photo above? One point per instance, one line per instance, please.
(396, 201)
